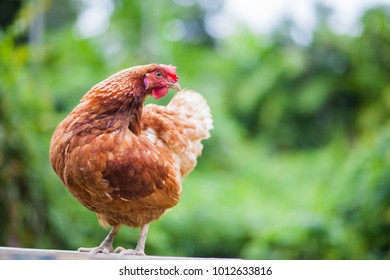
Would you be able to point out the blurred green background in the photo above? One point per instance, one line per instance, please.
(298, 166)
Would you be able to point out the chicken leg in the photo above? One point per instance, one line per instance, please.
(106, 246)
(140, 248)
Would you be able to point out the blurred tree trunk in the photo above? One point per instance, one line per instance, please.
(37, 25)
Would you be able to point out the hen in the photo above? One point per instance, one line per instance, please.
(125, 161)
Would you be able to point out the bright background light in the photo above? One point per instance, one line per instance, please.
(264, 16)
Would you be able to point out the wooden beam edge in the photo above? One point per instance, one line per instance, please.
(14, 253)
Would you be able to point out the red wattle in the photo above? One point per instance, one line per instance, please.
(159, 92)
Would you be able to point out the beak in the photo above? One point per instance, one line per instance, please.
(175, 86)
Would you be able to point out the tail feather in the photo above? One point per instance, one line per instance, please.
(192, 106)
(179, 127)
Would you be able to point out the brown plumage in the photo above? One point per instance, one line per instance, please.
(125, 161)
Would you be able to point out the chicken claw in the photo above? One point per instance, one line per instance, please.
(96, 250)
(106, 246)
(126, 252)
(140, 248)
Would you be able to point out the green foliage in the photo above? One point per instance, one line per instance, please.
(305, 96)
(297, 166)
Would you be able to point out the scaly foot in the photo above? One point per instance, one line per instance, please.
(123, 252)
(97, 250)
(106, 246)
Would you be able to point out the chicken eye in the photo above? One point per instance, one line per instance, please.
(158, 75)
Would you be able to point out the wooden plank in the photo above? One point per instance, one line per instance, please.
(12, 253)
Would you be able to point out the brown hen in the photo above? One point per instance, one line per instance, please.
(125, 161)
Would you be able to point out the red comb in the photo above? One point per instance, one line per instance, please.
(171, 70)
